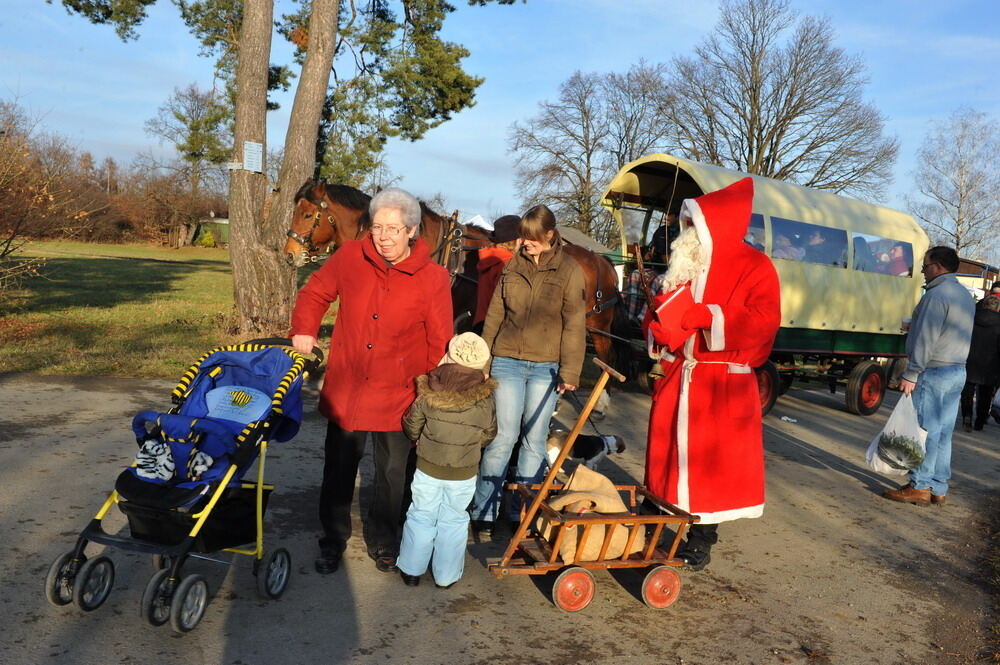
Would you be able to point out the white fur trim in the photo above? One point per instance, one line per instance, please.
(691, 212)
(715, 336)
(683, 492)
(734, 514)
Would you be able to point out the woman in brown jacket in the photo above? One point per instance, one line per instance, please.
(536, 331)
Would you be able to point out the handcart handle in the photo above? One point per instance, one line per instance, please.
(550, 477)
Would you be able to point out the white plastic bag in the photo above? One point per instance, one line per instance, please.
(901, 431)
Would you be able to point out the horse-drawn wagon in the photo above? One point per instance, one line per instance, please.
(846, 269)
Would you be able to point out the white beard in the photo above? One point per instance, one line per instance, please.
(688, 259)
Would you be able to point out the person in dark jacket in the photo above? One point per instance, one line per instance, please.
(451, 420)
(982, 370)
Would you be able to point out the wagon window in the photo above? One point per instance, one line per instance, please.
(882, 255)
(810, 243)
(755, 233)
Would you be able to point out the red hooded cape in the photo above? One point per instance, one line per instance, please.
(705, 452)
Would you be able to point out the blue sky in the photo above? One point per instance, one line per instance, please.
(924, 59)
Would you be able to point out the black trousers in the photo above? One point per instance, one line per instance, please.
(983, 398)
(393, 469)
(702, 536)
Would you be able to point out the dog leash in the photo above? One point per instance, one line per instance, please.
(579, 406)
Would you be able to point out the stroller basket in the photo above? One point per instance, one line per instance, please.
(232, 523)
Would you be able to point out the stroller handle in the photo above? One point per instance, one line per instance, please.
(287, 341)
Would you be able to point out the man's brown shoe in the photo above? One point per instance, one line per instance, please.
(909, 494)
(937, 500)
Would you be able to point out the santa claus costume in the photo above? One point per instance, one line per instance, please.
(705, 450)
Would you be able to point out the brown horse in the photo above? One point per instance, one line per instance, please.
(325, 216)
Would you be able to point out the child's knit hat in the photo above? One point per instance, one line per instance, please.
(468, 350)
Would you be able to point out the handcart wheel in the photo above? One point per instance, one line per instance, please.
(93, 583)
(161, 561)
(661, 587)
(58, 584)
(188, 604)
(573, 589)
(155, 604)
(272, 576)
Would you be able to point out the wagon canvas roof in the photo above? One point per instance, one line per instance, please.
(649, 182)
(827, 306)
(577, 237)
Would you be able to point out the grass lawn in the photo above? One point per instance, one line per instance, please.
(117, 310)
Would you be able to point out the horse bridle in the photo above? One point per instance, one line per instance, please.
(312, 253)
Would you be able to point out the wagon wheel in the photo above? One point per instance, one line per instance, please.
(661, 587)
(768, 384)
(865, 388)
(573, 589)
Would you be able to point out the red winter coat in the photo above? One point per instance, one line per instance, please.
(705, 452)
(393, 325)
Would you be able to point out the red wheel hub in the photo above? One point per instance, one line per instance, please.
(573, 590)
(871, 390)
(661, 587)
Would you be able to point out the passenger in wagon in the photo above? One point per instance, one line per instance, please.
(900, 260)
(536, 330)
(393, 323)
(785, 249)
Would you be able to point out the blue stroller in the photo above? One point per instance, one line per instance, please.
(185, 496)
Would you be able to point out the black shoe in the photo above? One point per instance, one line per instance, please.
(444, 586)
(409, 580)
(967, 424)
(482, 527)
(979, 426)
(386, 564)
(694, 559)
(327, 562)
(504, 530)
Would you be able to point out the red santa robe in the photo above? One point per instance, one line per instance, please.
(705, 452)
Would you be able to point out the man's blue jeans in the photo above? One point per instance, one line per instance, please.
(525, 397)
(936, 399)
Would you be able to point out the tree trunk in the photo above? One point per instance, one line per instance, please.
(299, 161)
(253, 265)
(263, 283)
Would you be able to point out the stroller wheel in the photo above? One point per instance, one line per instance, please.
(272, 576)
(155, 604)
(93, 583)
(58, 583)
(661, 587)
(188, 604)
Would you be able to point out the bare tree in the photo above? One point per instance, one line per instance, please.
(560, 155)
(635, 104)
(768, 93)
(957, 183)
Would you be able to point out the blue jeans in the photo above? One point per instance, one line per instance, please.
(436, 528)
(525, 397)
(936, 399)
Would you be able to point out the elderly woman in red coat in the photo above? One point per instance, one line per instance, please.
(393, 324)
(705, 452)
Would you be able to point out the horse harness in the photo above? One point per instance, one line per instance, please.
(311, 252)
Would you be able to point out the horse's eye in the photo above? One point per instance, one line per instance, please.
(308, 215)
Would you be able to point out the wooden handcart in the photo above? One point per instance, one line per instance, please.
(530, 553)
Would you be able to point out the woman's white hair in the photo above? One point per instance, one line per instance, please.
(687, 260)
(397, 199)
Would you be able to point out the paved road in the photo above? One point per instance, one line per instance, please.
(831, 574)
